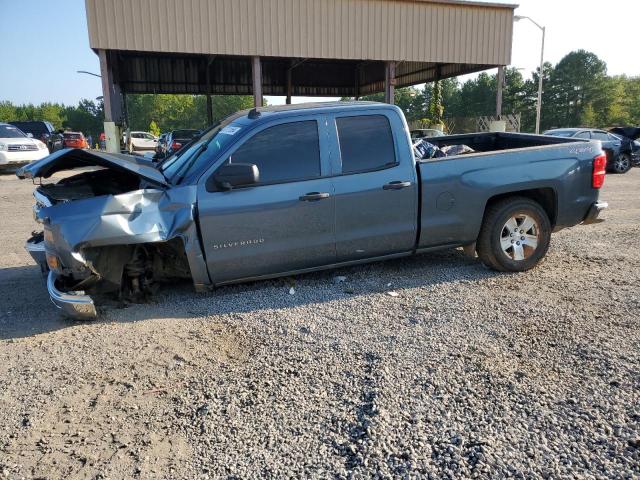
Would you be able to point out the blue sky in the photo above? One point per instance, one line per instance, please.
(44, 43)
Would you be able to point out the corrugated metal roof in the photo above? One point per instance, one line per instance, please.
(442, 31)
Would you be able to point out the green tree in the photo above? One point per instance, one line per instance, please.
(154, 129)
(579, 79)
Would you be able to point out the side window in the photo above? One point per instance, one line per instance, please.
(366, 143)
(282, 153)
(586, 135)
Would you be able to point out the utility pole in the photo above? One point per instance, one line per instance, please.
(517, 18)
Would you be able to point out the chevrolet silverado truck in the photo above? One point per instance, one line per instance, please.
(286, 190)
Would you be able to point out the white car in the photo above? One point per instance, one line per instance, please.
(16, 148)
(140, 141)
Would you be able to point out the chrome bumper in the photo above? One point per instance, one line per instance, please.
(594, 212)
(72, 304)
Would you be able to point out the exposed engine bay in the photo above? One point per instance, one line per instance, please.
(90, 184)
(114, 227)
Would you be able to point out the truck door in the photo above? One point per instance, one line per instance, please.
(375, 189)
(283, 223)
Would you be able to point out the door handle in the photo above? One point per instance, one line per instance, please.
(397, 185)
(313, 196)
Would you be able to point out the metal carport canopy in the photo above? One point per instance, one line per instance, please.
(293, 47)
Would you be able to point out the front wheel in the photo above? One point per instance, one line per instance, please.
(514, 236)
(622, 163)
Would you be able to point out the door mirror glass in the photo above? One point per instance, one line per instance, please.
(234, 175)
(30, 135)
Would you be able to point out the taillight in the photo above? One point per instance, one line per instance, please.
(175, 146)
(599, 170)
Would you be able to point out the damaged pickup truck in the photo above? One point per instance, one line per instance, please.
(287, 190)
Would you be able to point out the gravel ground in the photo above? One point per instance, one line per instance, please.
(463, 373)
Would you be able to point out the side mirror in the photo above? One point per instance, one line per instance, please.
(234, 175)
(30, 135)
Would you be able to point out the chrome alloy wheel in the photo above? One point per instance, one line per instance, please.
(519, 237)
(621, 164)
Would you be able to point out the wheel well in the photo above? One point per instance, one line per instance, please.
(546, 197)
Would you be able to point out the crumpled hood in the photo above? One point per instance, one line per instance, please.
(70, 158)
(630, 132)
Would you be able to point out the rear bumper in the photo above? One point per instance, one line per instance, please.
(76, 305)
(594, 212)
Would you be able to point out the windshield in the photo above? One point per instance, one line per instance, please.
(176, 167)
(7, 131)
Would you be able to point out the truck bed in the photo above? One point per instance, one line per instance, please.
(455, 190)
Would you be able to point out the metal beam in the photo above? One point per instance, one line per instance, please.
(107, 85)
(389, 82)
(500, 83)
(209, 110)
(289, 85)
(257, 81)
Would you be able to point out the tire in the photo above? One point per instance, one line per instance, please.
(622, 163)
(504, 250)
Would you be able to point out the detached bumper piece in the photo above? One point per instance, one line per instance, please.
(594, 212)
(35, 247)
(76, 305)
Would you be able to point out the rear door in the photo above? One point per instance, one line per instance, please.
(284, 223)
(375, 185)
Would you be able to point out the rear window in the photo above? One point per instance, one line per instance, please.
(600, 136)
(366, 143)
(35, 128)
(72, 136)
(185, 133)
(560, 133)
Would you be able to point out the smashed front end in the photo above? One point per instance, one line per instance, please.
(113, 230)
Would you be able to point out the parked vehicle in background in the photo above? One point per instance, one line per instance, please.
(17, 148)
(161, 146)
(286, 190)
(43, 131)
(176, 139)
(75, 140)
(630, 143)
(140, 141)
(617, 160)
(419, 133)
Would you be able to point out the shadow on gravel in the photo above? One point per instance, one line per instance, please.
(179, 301)
(7, 171)
(25, 309)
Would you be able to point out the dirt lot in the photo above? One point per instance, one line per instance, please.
(463, 373)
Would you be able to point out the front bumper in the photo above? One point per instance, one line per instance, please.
(594, 212)
(35, 247)
(21, 158)
(76, 305)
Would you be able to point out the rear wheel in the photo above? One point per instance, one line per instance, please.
(514, 236)
(622, 163)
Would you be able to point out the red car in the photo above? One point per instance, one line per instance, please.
(75, 140)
